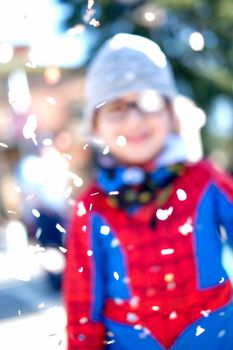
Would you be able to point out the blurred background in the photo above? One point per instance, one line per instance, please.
(44, 160)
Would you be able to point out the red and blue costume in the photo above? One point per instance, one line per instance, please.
(151, 276)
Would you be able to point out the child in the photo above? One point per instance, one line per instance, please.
(144, 264)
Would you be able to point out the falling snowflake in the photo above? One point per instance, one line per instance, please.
(41, 305)
(181, 194)
(104, 230)
(60, 228)
(3, 145)
(155, 308)
(81, 209)
(36, 213)
(116, 275)
(163, 214)
(90, 4)
(173, 315)
(167, 251)
(131, 317)
(30, 128)
(121, 141)
(83, 320)
(93, 22)
(199, 331)
(115, 242)
(221, 333)
(106, 150)
(77, 180)
(186, 228)
(205, 313)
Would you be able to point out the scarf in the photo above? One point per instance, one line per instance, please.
(130, 187)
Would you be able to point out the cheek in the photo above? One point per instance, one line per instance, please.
(107, 133)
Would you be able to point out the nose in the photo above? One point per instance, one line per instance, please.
(134, 114)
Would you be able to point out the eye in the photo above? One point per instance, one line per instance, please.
(117, 108)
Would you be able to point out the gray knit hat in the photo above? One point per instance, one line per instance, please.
(126, 63)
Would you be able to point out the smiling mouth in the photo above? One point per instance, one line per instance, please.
(137, 138)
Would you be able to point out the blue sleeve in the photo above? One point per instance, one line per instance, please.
(224, 203)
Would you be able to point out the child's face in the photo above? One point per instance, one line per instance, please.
(135, 126)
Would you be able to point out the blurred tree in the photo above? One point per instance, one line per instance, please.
(196, 35)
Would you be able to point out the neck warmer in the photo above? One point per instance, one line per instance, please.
(133, 186)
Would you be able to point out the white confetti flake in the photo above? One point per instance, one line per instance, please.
(116, 275)
(47, 142)
(106, 150)
(94, 194)
(41, 305)
(199, 331)
(3, 145)
(36, 213)
(85, 146)
(134, 301)
(11, 212)
(80, 269)
(83, 320)
(163, 214)
(38, 233)
(51, 100)
(121, 141)
(169, 277)
(90, 4)
(105, 230)
(62, 249)
(81, 209)
(155, 308)
(181, 194)
(19, 312)
(221, 280)
(118, 301)
(84, 228)
(30, 128)
(205, 313)
(221, 333)
(186, 228)
(60, 228)
(93, 22)
(173, 315)
(131, 317)
(109, 341)
(90, 207)
(113, 193)
(77, 180)
(89, 252)
(115, 243)
(167, 251)
(138, 327)
(68, 192)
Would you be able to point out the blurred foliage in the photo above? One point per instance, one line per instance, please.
(202, 75)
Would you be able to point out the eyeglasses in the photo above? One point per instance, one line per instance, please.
(148, 104)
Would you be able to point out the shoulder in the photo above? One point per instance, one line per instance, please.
(217, 176)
